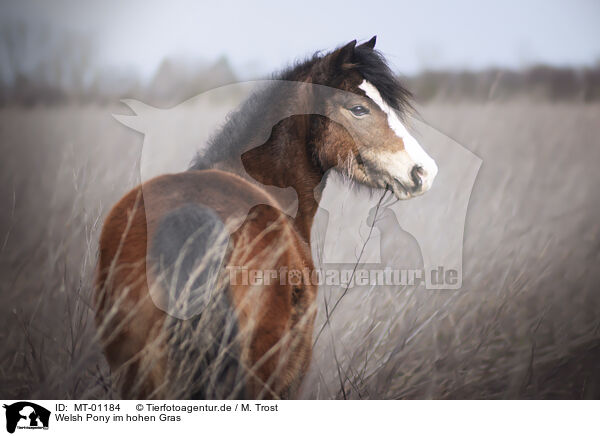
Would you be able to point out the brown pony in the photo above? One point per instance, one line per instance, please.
(195, 292)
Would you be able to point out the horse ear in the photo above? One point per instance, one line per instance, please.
(370, 43)
(346, 53)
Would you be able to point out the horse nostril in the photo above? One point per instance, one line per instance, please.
(416, 174)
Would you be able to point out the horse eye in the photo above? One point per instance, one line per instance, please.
(359, 110)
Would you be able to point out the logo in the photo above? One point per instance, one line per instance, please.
(414, 243)
(26, 415)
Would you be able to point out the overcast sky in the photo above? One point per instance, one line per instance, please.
(260, 36)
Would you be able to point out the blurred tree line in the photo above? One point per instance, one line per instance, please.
(39, 66)
(539, 82)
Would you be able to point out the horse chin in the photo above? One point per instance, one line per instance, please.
(395, 186)
(402, 195)
(401, 192)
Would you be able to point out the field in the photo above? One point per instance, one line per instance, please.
(526, 323)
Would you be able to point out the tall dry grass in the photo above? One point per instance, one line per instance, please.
(525, 323)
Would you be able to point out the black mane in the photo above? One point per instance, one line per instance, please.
(238, 130)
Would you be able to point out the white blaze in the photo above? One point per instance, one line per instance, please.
(415, 152)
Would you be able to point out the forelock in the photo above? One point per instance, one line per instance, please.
(373, 67)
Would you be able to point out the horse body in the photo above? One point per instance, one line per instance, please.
(248, 339)
(133, 328)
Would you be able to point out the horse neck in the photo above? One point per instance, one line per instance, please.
(285, 161)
